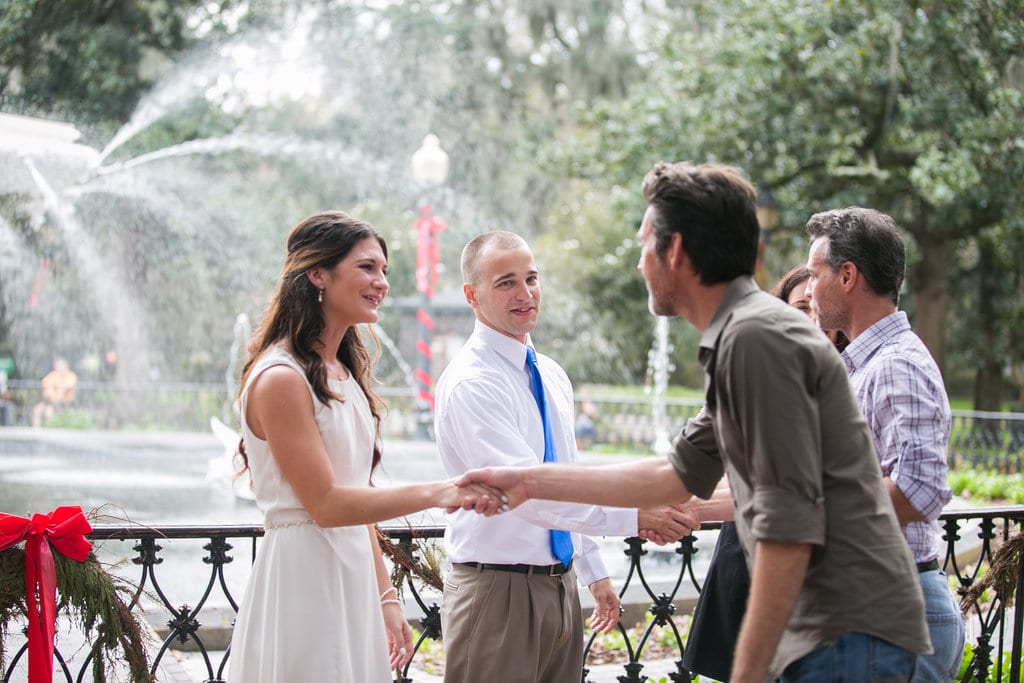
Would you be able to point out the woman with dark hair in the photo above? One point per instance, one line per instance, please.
(320, 605)
(792, 288)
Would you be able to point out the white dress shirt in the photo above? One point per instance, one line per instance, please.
(486, 416)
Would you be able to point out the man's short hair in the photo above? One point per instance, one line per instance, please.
(714, 208)
(497, 239)
(868, 239)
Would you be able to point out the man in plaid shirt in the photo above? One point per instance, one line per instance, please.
(857, 261)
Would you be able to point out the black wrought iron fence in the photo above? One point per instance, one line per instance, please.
(978, 439)
(972, 538)
(987, 440)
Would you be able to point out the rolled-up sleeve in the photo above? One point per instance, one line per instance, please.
(695, 458)
(910, 420)
(781, 516)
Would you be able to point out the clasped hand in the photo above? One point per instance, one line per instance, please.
(661, 525)
(490, 491)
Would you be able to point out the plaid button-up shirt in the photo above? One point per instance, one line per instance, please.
(902, 395)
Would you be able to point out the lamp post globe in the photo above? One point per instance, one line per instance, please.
(429, 163)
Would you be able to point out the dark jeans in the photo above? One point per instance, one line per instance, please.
(853, 658)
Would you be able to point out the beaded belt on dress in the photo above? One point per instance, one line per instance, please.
(286, 518)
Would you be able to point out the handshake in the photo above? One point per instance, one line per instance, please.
(479, 490)
(492, 491)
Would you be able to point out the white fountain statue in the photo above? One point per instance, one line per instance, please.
(51, 147)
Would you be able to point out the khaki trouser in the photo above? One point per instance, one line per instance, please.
(505, 627)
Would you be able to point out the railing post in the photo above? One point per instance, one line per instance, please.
(1018, 622)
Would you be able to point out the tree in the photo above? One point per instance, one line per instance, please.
(88, 62)
(987, 318)
(914, 108)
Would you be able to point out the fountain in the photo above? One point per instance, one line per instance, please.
(659, 367)
(158, 235)
(51, 147)
(169, 251)
(38, 159)
(392, 348)
(103, 282)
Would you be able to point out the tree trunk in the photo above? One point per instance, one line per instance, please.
(928, 281)
(988, 375)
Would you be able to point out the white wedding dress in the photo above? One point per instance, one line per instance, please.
(311, 612)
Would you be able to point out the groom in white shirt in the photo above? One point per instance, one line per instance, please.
(511, 611)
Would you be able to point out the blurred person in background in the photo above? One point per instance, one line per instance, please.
(58, 388)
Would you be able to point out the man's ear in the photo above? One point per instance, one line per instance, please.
(675, 255)
(849, 275)
(470, 294)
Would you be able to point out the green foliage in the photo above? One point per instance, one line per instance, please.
(913, 108)
(965, 676)
(85, 60)
(551, 113)
(987, 319)
(612, 646)
(71, 418)
(987, 485)
(98, 603)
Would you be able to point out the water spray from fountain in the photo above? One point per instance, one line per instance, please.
(392, 348)
(110, 293)
(659, 367)
(238, 356)
(163, 235)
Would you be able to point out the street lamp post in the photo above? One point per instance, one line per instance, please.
(429, 167)
(767, 207)
(767, 218)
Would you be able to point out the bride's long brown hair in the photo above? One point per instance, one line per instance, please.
(295, 315)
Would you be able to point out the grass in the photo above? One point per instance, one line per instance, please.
(987, 486)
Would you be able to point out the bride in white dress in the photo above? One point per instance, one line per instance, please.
(319, 605)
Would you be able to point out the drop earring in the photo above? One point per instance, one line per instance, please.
(320, 296)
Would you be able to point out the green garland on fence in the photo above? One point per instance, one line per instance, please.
(97, 601)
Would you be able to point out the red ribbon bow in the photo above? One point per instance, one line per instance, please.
(65, 528)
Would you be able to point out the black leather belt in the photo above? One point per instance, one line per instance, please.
(556, 569)
(928, 566)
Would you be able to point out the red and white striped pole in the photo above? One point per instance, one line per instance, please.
(427, 227)
(429, 167)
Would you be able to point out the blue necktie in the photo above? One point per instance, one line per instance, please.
(561, 541)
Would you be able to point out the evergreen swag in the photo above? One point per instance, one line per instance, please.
(97, 601)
